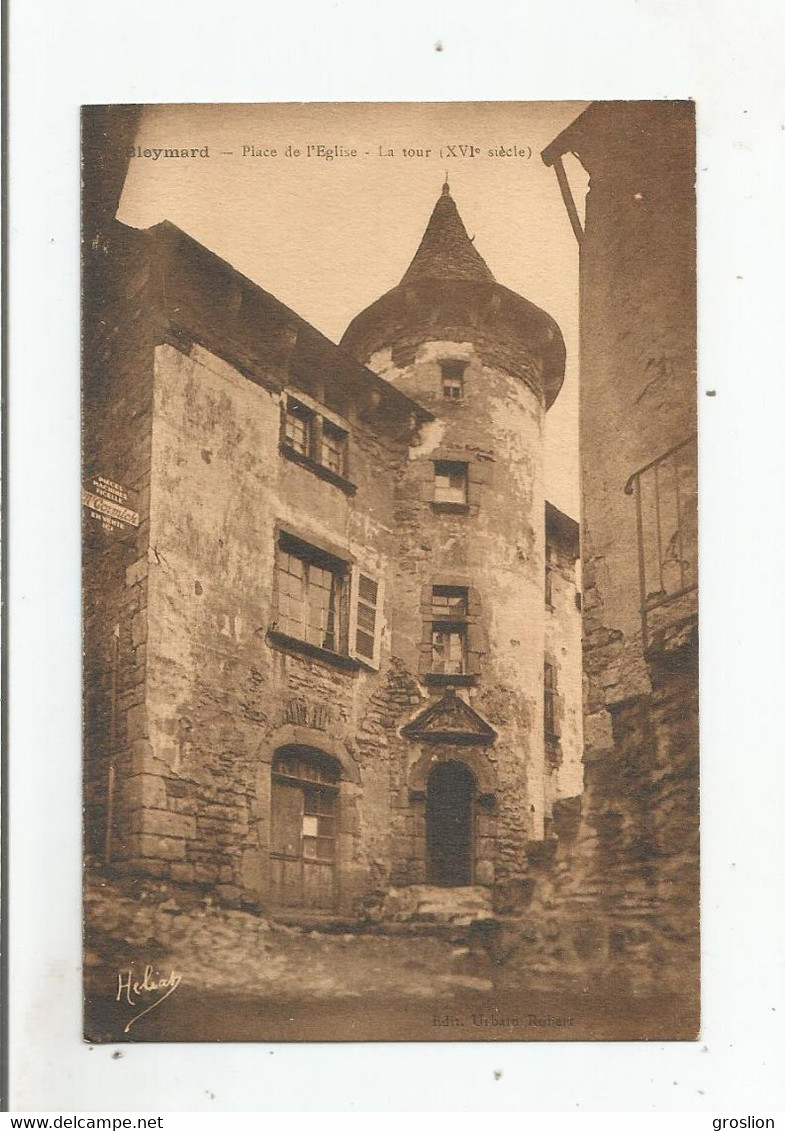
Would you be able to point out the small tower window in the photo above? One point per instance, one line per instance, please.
(450, 606)
(450, 601)
(453, 638)
(452, 379)
(451, 482)
(449, 649)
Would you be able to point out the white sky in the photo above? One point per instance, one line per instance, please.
(329, 237)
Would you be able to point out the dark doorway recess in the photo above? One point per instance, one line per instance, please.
(448, 821)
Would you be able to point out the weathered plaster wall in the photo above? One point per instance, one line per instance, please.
(218, 693)
(497, 549)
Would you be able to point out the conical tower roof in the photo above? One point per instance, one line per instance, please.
(448, 293)
(445, 251)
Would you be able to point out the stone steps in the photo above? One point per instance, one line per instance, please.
(440, 906)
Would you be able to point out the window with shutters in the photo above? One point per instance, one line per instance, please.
(453, 639)
(365, 620)
(325, 606)
(310, 588)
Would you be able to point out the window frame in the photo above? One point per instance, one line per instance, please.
(462, 620)
(359, 605)
(444, 468)
(340, 437)
(295, 410)
(320, 420)
(311, 559)
(452, 376)
(349, 589)
(450, 630)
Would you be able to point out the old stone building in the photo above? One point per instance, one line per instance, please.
(332, 624)
(620, 891)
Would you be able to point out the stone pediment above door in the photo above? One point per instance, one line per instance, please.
(450, 720)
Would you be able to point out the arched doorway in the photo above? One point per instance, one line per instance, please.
(449, 821)
(304, 811)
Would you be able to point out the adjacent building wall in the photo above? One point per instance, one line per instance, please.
(622, 894)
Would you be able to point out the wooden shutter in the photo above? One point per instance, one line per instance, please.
(365, 619)
(476, 642)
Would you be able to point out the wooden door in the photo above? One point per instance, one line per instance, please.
(304, 805)
(286, 844)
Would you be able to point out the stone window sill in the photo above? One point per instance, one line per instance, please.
(439, 679)
(319, 470)
(450, 508)
(291, 644)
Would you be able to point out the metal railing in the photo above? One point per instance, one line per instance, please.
(666, 502)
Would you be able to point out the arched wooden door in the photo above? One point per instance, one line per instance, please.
(304, 811)
(449, 825)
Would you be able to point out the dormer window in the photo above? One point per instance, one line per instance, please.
(452, 379)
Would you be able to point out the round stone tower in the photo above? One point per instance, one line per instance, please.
(468, 611)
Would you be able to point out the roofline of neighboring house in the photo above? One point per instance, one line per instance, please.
(566, 140)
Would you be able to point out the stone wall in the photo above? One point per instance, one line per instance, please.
(613, 895)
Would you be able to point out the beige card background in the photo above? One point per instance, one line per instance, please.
(728, 59)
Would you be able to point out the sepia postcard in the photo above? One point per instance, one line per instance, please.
(389, 486)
